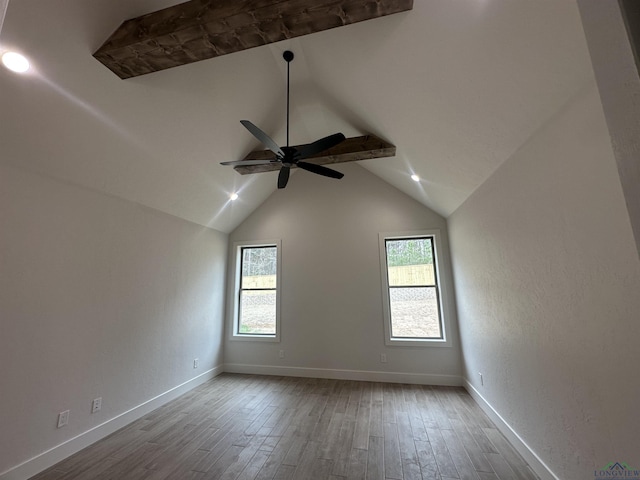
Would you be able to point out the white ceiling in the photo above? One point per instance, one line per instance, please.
(458, 86)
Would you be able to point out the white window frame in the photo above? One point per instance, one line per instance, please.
(235, 292)
(443, 281)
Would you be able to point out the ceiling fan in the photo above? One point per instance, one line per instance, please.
(288, 156)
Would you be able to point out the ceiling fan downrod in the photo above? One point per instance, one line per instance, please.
(288, 56)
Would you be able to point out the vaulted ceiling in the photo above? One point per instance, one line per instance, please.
(457, 86)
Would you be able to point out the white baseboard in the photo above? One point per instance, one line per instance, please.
(362, 375)
(534, 461)
(49, 458)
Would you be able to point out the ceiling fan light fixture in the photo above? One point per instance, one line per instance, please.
(15, 62)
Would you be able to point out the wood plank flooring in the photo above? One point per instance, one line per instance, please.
(258, 427)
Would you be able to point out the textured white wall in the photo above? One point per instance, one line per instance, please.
(331, 305)
(98, 297)
(619, 86)
(547, 281)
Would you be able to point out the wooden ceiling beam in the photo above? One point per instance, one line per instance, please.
(349, 150)
(202, 29)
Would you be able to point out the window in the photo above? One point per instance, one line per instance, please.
(256, 304)
(412, 295)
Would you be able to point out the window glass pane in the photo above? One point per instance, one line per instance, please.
(259, 267)
(414, 312)
(410, 262)
(257, 312)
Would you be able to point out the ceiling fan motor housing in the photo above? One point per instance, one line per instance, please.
(289, 156)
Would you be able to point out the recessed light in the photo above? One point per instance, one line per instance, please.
(415, 178)
(233, 196)
(15, 62)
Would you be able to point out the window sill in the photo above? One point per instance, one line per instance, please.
(255, 338)
(406, 342)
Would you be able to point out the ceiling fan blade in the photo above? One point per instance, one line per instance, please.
(283, 177)
(248, 163)
(320, 170)
(263, 137)
(320, 145)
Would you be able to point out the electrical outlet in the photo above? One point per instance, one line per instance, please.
(195, 363)
(63, 418)
(481, 379)
(281, 354)
(96, 405)
(383, 358)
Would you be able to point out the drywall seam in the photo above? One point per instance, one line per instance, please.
(58, 453)
(534, 461)
(337, 374)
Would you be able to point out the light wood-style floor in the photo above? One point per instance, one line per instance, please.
(259, 427)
